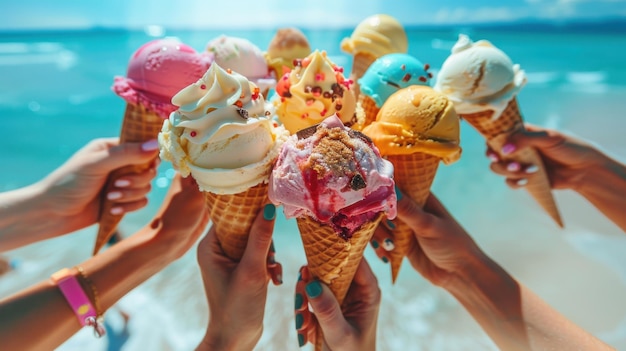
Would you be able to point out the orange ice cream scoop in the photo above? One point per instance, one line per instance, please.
(417, 119)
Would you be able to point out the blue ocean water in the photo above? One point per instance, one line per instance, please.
(55, 96)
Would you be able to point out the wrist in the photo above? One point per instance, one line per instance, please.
(606, 171)
(217, 339)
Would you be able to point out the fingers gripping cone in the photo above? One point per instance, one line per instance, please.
(496, 133)
(233, 215)
(414, 174)
(332, 259)
(139, 125)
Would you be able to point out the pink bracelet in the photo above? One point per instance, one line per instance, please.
(78, 300)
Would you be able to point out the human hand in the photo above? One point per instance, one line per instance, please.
(73, 190)
(442, 250)
(348, 327)
(566, 159)
(237, 291)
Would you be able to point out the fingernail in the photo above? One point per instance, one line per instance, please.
(531, 169)
(390, 224)
(269, 212)
(375, 244)
(314, 289)
(299, 301)
(272, 248)
(513, 167)
(493, 157)
(114, 195)
(398, 193)
(121, 183)
(522, 182)
(299, 276)
(299, 321)
(388, 244)
(300, 340)
(150, 145)
(117, 211)
(279, 277)
(385, 259)
(507, 149)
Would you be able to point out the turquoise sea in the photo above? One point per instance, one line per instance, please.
(55, 96)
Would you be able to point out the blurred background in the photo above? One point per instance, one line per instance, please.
(58, 60)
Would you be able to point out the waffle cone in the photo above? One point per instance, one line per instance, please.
(370, 110)
(233, 215)
(414, 174)
(360, 63)
(331, 259)
(496, 133)
(139, 125)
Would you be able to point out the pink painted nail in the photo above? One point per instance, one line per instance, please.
(114, 195)
(121, 183)
(507, 149)
(531, 169)
(493, 157)
(522, 182)
(513, 167)
(117, 211)
(150, 145)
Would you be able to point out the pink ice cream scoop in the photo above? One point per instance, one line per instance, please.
(157, 71)
(335, 175)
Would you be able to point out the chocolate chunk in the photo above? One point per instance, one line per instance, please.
(357, 182)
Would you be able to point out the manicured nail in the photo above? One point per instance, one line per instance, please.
(493, 157)
(385, 259)
(390, 224)
(117, 211)
(522, 182)
(121, 183)
(114, 195)
(507, 149)
(279, 277)
(150, 145)
(398, 193)
(513, 167)
(300, 340)
(299, 301)
(375, 244)
(269, 212)
(388, 244)
(314, 289)
(531, 169)
(272, 248)
(299, 321)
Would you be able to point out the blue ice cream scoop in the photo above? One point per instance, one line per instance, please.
(392, 72)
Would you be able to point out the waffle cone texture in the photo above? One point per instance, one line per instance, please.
(139, 125)
(496, 133)
(332, 259)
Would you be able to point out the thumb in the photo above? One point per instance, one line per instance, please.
(125, 154)
(535, 137)
(327, 310)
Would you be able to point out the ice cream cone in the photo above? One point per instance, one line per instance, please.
(496, 132)
(360, 64)
(139, 125)
(332, 259)
(414, 174)
(370, 110)
(233, 215)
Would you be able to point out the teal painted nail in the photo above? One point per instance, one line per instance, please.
(398, 193)
(385, 259)
(269, 212)
(375, 244)
(299, 301)
(300, 340)
(314, 289)
(390, 224)
(299, 321)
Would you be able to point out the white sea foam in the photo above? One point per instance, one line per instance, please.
(19, 54)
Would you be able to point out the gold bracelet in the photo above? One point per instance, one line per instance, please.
(98, 329)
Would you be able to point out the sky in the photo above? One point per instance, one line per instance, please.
(197, 14)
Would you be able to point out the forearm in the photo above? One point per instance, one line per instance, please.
(605, 188)
(40, 318)
(513, 316)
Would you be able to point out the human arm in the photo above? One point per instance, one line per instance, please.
(68, 199)
(237, 291)
(571, 163)
(350, 328)
(39, 318)
(512, 315)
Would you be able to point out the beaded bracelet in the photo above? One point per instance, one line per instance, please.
(75, 296)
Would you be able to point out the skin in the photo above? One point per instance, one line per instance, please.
(237, 291)
(352, 327)
(511, 314)
(39, 318)
(69, 197)
(571, 163)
